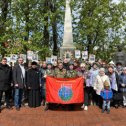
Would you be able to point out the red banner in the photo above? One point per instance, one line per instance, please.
(64, 91)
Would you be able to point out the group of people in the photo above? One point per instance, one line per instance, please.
(104, 84)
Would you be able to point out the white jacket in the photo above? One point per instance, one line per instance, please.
(99, 83)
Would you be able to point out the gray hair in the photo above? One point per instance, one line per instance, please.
(102, 69)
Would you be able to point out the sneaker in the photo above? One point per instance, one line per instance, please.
(82, 106)
(124, 104)
(85, 108)
(46, 108)
(43, 103)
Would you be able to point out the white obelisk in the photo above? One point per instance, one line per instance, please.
(68, 34)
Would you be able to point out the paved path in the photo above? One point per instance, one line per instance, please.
(37, 117)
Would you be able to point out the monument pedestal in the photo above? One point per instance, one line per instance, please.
(120, 57)
(67, 52)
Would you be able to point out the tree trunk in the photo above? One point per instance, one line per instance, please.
(46, 25)
(54, 28)
(55, 49)
(89, 46)
(27, 29)
(4, 12)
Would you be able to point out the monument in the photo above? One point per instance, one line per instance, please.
(120, 56)
(68, 48)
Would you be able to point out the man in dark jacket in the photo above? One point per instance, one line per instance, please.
(5, 81)
(19, 82)
(34, 84)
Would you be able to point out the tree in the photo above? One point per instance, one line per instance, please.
(38, 25)
(99, 25)
(4, 22)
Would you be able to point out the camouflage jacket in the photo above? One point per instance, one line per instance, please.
(72, 73)
(60, 73)
(50, 72)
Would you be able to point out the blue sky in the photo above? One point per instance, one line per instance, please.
(116, 1)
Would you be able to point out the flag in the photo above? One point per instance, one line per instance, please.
(64, 91)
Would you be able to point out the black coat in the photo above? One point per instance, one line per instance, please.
(17, 76)
(33, 78)
(5, 77)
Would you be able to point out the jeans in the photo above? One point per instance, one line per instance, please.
(106, 103)
(18, 97)
(6, 97)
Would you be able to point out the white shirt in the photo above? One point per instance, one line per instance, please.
(22, 70)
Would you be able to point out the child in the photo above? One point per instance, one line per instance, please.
(107, 95)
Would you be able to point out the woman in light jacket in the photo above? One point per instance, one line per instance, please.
(99, 85)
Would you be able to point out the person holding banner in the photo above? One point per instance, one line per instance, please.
(34, 84)
(83, 72)
(49, 72)
(60, 72)
(71, 73)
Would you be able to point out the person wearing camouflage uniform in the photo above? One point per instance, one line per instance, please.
(49, 72)
(83, 73)
(71, 73)
(60, 72)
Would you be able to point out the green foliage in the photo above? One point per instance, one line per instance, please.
(101, 24)
(38, 25)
